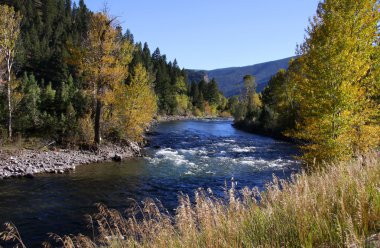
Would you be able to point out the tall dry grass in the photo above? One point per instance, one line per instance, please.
(337, 207)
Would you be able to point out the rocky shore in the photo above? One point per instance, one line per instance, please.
(26, 163)
(164, 118)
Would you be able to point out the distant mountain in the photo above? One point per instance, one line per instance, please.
(230, 80)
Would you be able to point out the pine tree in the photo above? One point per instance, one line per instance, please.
(147, 59)
(213, 92)
(129, 36)
(29, 116)
(194, 93)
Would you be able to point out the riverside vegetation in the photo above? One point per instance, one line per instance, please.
(72, 78)
(328, 99)
(63, 67)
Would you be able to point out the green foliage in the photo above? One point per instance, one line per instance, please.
(84, 58)
(279, 105)
(247, 107)
(206, 98)
(49, 30)
(212, 94)
(29, 116)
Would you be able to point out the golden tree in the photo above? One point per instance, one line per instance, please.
(10, 22)
(134, 104)
(336, 81)
(105, 63)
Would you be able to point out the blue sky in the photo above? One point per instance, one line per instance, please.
(212, 34)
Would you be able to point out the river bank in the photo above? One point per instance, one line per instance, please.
(27, 163)
(166, 118)
(243, 126)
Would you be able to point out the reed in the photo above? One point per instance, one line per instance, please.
(338, 206)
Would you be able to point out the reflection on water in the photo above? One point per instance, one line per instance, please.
(182, 157)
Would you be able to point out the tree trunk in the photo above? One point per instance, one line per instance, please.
(98, 113)
(9, 105)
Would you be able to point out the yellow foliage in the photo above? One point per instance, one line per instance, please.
(105, 63)
(210, 110)
(338, 114)
(197, 112)
(86, 129)
(134, 104)
(183, 104)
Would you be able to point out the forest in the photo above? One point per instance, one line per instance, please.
(74, 76)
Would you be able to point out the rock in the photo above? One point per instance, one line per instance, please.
(117, 158)
(135, 147)
(29, 175)
(30, 162)
(58, 171)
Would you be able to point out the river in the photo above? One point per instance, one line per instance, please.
(182, 156)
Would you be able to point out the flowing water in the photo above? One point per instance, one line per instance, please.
(182, 156)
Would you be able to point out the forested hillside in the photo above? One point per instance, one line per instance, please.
(77, 77)
(230, 79)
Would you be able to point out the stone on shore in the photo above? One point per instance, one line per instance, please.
(27, 163)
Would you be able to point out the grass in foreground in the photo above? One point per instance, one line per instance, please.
(339, 207)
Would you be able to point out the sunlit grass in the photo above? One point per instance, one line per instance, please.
(338, 207)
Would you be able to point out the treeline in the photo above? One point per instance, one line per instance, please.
(74, 76)
(329, 98)
(175, 95)
(206, 98)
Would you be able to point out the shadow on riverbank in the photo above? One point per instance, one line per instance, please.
(255, 129)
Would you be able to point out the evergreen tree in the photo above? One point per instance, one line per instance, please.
(29, 116)
(213, 94)
(194, 93)
(147, 59)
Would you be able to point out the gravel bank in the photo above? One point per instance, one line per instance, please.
(164, 118)
(26, 163)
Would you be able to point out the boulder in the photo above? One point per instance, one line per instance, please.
(117, 158)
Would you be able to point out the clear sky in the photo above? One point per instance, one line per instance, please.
(210, 34)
